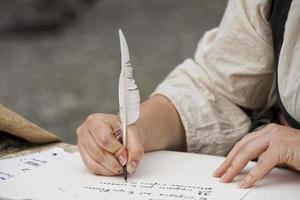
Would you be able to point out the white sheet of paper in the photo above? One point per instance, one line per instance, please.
(15, 166)
(162, 175)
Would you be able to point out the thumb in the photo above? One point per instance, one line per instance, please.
(135, 148)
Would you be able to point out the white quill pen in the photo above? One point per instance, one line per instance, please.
(129, 96)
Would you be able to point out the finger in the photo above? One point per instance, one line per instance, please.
(93, 165)
(135, 149)
(121, 154)
(102, 134)
(84, 134)
(266, 162)
(106, 159)
(226, 164)
(117, 133)
(250, 151)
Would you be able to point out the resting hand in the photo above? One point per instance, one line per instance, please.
(272, 145)
(102, 152)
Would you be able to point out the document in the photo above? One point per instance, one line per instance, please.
(15, 166)
(162, 175)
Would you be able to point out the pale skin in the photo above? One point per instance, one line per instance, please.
(159, 128)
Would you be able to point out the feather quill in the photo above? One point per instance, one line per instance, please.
(129, 96)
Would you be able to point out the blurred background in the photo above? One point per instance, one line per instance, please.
(60, 59)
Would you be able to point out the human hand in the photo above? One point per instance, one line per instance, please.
(102, 152)
(274, 144)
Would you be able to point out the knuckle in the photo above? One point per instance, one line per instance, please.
(245, 153)
(260, 163)
(274, 128)
(103, 139)
(79, 131)
(226, 161)
(250, 176)
(271, 126)
(246, 137)
(243, 141)
(92, 118)
(238, 144)
(234, 167)
(231, 168)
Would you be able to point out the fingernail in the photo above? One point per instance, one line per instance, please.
(242, 184)
(131, 167)
(224, 177)
(122, 160)
(215, 173)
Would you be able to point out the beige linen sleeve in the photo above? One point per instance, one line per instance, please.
(232, 68)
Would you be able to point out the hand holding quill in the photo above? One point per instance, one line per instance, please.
(99, 145)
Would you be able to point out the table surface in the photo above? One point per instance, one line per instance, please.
(280, 183)
(11, 146)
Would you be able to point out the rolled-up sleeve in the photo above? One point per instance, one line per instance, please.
(232, 69)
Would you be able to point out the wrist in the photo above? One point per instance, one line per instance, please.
(144, 125)
(141, 128)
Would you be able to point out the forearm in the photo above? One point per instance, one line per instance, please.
(160, 125)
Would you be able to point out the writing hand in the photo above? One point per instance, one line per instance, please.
(102, 152)
(272, 145)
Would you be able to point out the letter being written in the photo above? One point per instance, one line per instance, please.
(147, 190)
(161, 176)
